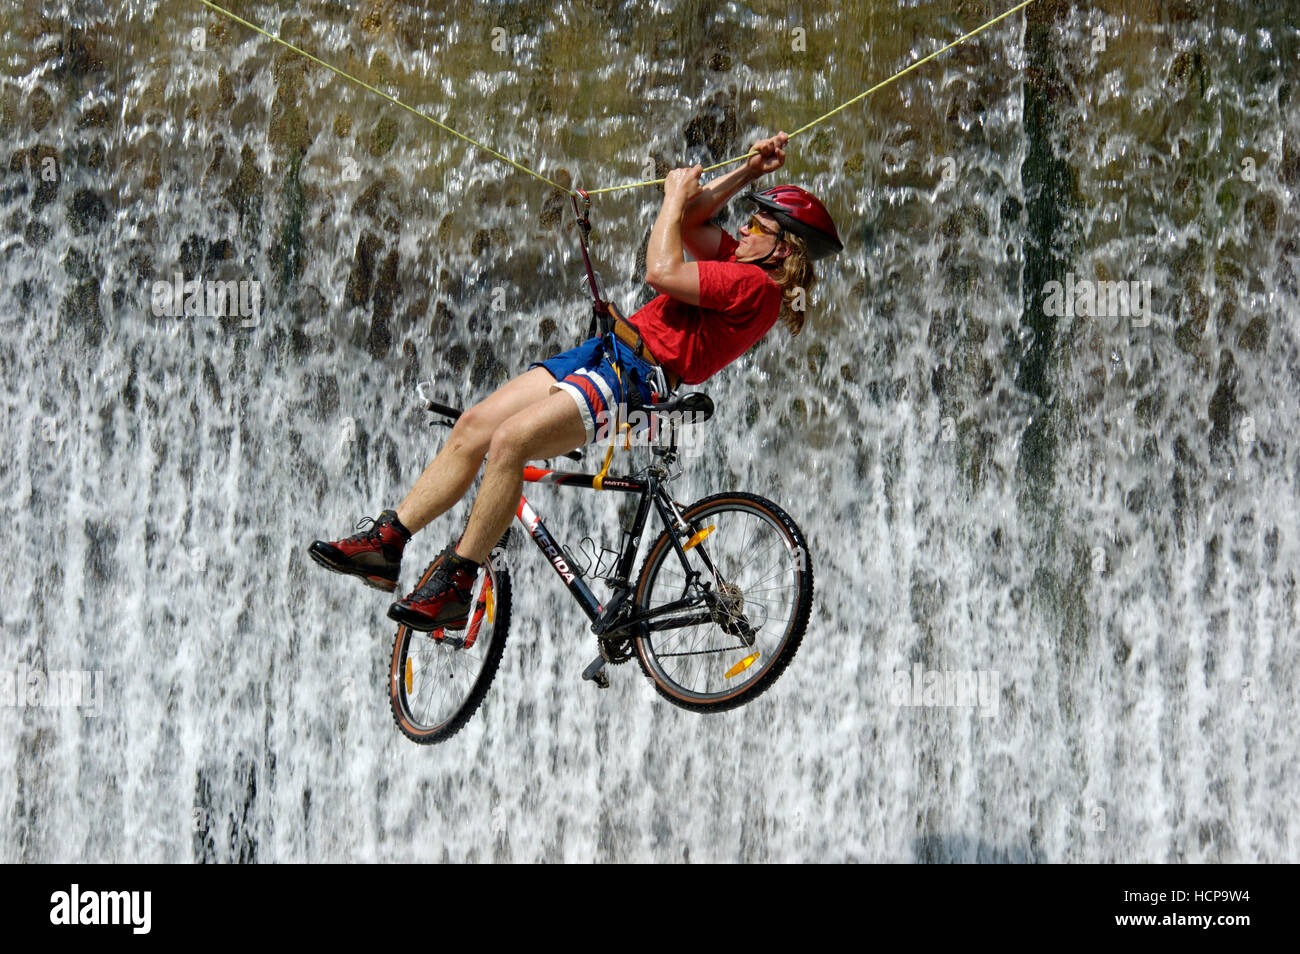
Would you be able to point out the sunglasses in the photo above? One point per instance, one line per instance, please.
(755, 227)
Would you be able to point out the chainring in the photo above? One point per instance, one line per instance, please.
(616, 650)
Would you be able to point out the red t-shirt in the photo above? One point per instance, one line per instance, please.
(738, 304)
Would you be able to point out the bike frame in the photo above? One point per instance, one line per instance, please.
(611, 619)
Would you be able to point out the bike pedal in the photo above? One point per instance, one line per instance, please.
(595, 672)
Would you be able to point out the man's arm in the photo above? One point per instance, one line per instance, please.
(700, 237)
(666, 268)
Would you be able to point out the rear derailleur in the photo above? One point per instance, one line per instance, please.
(726, 606)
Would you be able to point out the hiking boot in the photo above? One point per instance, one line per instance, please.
(375, 554)
(442, 601)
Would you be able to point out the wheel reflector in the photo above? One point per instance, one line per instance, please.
(697, 538)
(410, 672)
(491, 607)
(743, 664)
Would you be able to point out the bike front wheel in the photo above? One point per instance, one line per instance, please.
(749, 580)
(438, 679)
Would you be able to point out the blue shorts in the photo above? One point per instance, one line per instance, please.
(587, 375)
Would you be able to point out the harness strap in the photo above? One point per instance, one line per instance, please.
(598, 482)
(630, 335)
(605, 319)
(601, 318)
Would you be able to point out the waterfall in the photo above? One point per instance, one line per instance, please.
(1087, 502)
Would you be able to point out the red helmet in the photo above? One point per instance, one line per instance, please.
(799, 212)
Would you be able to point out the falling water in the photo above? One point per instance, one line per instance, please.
(1091, 507)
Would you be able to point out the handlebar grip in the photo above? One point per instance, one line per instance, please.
(446, 410)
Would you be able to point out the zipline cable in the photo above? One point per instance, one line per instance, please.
(630, 185)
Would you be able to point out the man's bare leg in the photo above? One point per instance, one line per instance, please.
(547, 429)
(452, 472)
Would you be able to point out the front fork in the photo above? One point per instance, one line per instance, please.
(715, 599)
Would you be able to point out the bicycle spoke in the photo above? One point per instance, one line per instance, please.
(749, 554)
(445, 681)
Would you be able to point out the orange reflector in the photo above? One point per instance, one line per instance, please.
(697, 538)
(742, 665)
(410, 671)
(491, 603)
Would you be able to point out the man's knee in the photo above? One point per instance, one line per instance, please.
(472, 431)
(509, 441)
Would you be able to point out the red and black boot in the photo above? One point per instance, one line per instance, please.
(375, 554)
(443, 600)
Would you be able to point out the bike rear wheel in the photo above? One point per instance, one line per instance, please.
(438, 679)
(762, 582)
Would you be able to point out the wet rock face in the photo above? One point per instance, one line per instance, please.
(80, 309)
(9, 109)
(361, 279)
(714, 129)
(199, 256)
(1225, 409)
(377, 203)
(95, 117)
(86, 211)
(39, 171)
(382, 137)
(386, 292)
(225, 89)
(245, 189)
(290, 124)
(77, 54)
(42, 108)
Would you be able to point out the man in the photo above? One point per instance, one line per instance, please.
(708, 313)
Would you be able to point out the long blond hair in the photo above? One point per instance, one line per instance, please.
(796, 277)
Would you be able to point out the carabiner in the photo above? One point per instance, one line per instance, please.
(584, 215)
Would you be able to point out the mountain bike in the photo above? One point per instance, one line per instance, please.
(713, 618)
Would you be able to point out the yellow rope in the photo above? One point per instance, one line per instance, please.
(391, 99)
(598, 482)
(630, 185)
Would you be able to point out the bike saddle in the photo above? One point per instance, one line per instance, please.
(695, 403)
